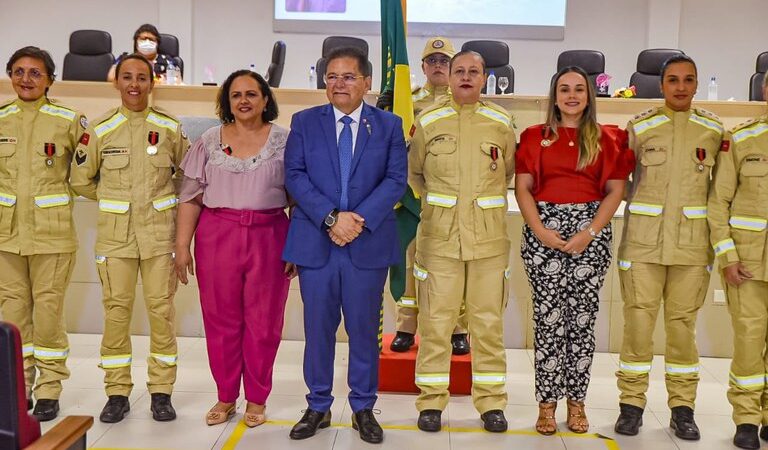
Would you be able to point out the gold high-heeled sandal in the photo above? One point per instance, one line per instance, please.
(577, 417)
(546, 423)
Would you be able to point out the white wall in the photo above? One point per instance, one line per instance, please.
(724, 37)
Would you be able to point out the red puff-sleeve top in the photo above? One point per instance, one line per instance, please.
(555, 178)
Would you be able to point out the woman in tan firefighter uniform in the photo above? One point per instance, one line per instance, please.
(126, 161)
(664, 253)
(738, 214)
(37, 234)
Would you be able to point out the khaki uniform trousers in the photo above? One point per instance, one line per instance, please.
(407, 308)
(683, 288)
(118, 279)
(748, 305)
(443, 284)
(32, 298)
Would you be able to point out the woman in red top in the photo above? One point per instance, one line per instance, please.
(571, 174)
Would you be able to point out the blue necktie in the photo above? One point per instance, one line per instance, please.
(345, 160)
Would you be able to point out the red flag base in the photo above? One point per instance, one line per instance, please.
(396, 370)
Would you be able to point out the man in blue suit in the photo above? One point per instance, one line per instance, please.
(345, 165)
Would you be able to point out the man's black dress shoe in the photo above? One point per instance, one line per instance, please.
(46, 409)
(494, 421)
(429, 420)
(746, 436)
(369, 429)
(683, 424)
(116, 409)
(402, 342)
(630, 420)
(309, 423)
(764, 433)
(162, 409)
(460, 344)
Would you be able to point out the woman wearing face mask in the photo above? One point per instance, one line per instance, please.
(146, 41)
(571, 173)
(233, 200)
(127, 160)
(37, 234)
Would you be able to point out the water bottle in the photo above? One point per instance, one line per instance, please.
(312, 78)
(170, 73)
(490, 85)
(712, 89)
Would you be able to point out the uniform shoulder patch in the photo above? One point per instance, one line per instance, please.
(162, 112)
(708, 114)
(6, 103)
(745, 124)
(646, 114)
(163, 119)
(509, 118)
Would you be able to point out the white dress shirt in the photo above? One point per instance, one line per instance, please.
(355, 124)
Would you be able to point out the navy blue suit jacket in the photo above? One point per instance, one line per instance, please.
(377, 181)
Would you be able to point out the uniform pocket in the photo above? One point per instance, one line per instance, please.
(163, 215)
(7, 209)
(489, 214)
(162, 163)
(654, 165)
(440, 161)
(114, 169)
(7, 160)
(748, 234)
(644, 223)
(693, 230)
(52, 215)
(438, 215)
(114, 217)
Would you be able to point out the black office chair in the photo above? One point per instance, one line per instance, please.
(333, 42)
(169, 46)
(496, 56)
(90, 56)
(276, 65)
(592, 61)
(756, 82)
(647, 79)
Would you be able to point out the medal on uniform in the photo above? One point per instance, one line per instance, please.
(701, 155)
(50, 150)
(153, 138)
(545, 142)
(494, 157)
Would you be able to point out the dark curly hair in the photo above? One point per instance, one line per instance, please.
(224, 108)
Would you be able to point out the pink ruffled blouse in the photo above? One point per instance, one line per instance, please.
(228, 182)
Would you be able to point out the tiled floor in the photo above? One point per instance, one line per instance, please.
(195, 393)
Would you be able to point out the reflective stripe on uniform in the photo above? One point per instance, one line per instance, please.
(746, 133)
(724, 246)
(750, 383)
(7, 111)
(161, 121)
(437, 114)
(110, 125)
(115, 361)
(624, 264)
(635, 367)
(420, 273)
(168, 359)
(681, 369)
(114, 206)
(492, 114)
(648, 124)
(433, 379)
(507, 273)
(423, 93)
(747, 223)
(496, 201)
(27, 349)
(47, 201)
(646, 209)
(161, 204)
(7, 199)
(707, 123)
(695, 212)
(407, 302)
(51, 353)
(488, 378)
(444, 201)
(56, 111)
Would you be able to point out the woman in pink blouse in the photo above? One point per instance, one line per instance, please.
(233, 200)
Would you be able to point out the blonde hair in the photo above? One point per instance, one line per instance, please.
(589, 130)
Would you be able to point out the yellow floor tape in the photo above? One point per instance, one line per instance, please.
(237, 434)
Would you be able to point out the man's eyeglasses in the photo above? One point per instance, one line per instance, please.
(437, 61)
(19, 73)
(347, 78)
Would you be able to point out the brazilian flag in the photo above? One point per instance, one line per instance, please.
(396, 81)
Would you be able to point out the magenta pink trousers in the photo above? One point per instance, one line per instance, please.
(243, 290)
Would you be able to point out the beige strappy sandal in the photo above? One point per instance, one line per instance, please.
(546, 423)
(577, 417)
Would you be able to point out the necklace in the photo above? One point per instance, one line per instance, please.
(570, 138)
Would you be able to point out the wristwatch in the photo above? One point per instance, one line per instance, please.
(592, 232)
(330, 219)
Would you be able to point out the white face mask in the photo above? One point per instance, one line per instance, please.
(147, 47)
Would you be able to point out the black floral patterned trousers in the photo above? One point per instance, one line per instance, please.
(565, 300)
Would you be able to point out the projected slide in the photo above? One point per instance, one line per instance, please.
(424, 15)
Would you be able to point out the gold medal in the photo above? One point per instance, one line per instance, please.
(49, 162)
(152, 150)
(700, 167)
(153, 137)
(494, 166)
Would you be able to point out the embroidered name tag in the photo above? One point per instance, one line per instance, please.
(8, 140)
(114, 152)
